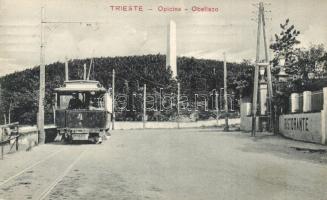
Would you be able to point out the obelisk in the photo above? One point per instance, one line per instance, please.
(171, 60)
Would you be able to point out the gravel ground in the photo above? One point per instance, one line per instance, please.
(169, 164)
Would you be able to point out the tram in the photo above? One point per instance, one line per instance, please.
(82, 111)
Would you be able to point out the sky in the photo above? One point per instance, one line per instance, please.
(104, 32)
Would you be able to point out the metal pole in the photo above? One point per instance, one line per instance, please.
(113, 99)
(256, 74)
(42, 84)
(144, 104)
(225, 94)
(66, 69)
(160, 101)
(55, 108)
(17, 140)
(9, 112)
(217, 108)
(269, 79)
(178, 99)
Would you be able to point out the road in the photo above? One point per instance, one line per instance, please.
(180, 164)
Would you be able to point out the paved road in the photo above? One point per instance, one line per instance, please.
(168, 164)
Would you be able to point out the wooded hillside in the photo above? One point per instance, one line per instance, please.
(20, 90)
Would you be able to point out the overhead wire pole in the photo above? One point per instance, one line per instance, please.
(266, 65)
(217, 107)
(256, 75)
(40, 117)
(66, 69)
(40, 114)
(144, 105)
(269, 78)
(178, 102)
(225, 94)
(113, 99)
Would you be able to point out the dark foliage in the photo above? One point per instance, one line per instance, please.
(20, 89)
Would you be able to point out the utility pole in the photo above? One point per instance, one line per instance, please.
(217, 107)
(178, 99)
(261, 25)
(113, 99)
(269, 79)
(144, 105)
(66, 69)
(9, 112)
(225, 94)
(256, 76)
(42, 84)
(40, 115)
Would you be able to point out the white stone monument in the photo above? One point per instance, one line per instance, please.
(171, 48)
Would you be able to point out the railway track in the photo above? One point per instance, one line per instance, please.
(40, 178)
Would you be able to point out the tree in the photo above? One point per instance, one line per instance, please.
(243, 81)
(312, 62)
(284, 45)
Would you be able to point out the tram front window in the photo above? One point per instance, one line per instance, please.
(81, 101)
(95, 103)
(70, 101)
(75, 102)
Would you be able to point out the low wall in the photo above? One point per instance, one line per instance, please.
(25, 142)
(302, 126)
(29, 138)
(120, 125)
(246, 123)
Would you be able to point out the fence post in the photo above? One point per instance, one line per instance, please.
(17, 143)
(17, 139)
(295, 102)
(307, 101)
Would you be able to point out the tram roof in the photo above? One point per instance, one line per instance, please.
(81, 86)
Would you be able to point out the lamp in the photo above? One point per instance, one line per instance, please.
(262, 73)
(282, 76)
(281, 61)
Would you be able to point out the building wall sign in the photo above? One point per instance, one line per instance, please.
(299, 123)
(301, 126)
